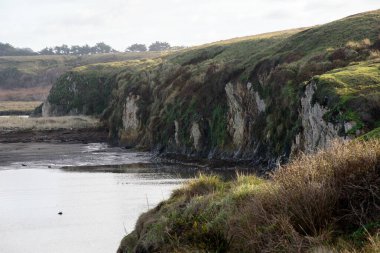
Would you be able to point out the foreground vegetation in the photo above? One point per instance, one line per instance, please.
(15, 123)
(327, 202)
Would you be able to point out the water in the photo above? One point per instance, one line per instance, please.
(17, 116)
(98, 207)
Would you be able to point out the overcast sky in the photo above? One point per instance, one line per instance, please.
(120, 23)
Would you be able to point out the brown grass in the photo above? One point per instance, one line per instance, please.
(14, 123)
(326, 202)
(314, 200)
(18, 105)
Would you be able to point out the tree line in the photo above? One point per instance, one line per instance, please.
(99, 48)
(156, 46)
(7, 49)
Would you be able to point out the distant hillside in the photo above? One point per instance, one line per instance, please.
(31, 77)
(263, 98)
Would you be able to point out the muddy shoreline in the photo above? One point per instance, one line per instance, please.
(100, 135)
(56, 136)
(15, 112)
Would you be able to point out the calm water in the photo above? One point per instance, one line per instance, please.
(98, 207)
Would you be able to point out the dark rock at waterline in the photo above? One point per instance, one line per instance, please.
(60, 213)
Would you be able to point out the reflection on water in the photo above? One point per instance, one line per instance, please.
(98, 208)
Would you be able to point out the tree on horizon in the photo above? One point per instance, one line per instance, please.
(137, 48)
(159, 46)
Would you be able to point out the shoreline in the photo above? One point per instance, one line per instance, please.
(83, 135)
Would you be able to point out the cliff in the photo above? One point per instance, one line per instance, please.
(263, 98)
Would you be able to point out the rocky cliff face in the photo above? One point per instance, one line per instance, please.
(316, 133)
(246, 111)
(131, 121)
(244, 107)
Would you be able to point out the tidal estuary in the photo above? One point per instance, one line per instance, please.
(99, 204)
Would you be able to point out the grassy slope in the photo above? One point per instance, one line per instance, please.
(35, 64)
(30, 77)
(327, 201)
(355, 92)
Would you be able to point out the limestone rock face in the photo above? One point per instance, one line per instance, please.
(244, 105)
(196, 136)
(131, 121)
(130, 117)
(316, 132)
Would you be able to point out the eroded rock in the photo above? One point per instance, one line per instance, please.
(196, 136)
(130, 117)
(244, 105)
(131, 121)
(316, 132)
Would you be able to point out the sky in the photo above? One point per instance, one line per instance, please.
(120, 23)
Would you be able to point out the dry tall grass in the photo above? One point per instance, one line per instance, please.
(314, 200)
(14, 123)
(18, 105)
(326, 202)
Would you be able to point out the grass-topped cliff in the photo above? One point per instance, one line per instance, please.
(266, 97)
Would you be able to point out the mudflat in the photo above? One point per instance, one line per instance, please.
(22, 152)
(63, 135)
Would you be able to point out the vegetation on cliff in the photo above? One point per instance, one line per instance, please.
(190, 87)
(241, 98)
(327, 202)
(353, 94)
